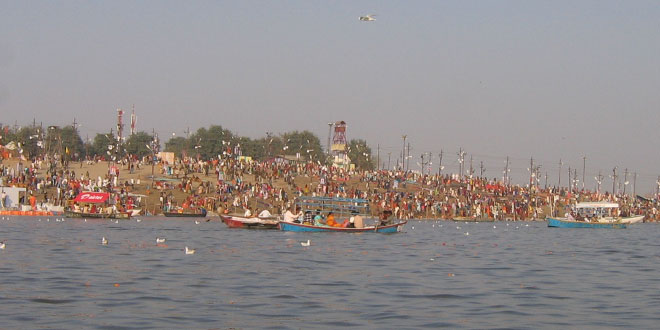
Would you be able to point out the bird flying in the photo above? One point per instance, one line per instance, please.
(367, 18)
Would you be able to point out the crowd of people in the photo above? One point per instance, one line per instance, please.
(233, 185)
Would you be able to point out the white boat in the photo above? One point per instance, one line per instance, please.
(635, 219)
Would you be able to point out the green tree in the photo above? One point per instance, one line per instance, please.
(137, 143)
(177, 145)
(251, 148)
(27, 137)
(305, 143)
(211, 142)
(101, 143)
(360, 154)
(71, 141)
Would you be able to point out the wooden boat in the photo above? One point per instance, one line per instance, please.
(198, 213)
(93, 198)
(593, 215)
(298, 227)
(631, 220)
(233, 221)
(471, 219)
(114, 215)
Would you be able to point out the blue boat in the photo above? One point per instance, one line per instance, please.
(298, 227)
(566, 223)
(593, 215)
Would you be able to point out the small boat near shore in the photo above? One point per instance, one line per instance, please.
(593, 215)
(181, 213)
(565, 223)
(299, 227)
(233, 221)
(471, 219)
(112, 215)
(94, 205)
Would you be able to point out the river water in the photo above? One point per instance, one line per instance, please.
(56, 274)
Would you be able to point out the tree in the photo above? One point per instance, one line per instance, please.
(28, 139)
(136, 144)
(101, 143)
(305, 143)
(360, 154)
(211, 142)
(71, 141)
(177, 145)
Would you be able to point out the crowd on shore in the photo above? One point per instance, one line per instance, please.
(231, 185)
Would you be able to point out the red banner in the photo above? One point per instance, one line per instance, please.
(92, 197)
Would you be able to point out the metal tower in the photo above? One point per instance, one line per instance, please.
(340, 145)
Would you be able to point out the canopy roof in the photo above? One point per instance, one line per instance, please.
(596, 205)
(92, 197)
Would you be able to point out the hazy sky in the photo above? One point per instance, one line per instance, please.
(542, 79)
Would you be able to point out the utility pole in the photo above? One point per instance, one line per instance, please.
(422, 164)
(531, 171)
(575, 179)
(403, 151)
(625, 180)
(389, 154)
(378, 157)
(329, 131)
(471, 169)
(461, 159)
(506, 171)
(546, 180)
(440, 165)
(408, 156)
(635, 184)
(559, 183)
(584, 165)
(570, 183)
(481, 169)
(614, 181)
(599, 180)
(430, 162)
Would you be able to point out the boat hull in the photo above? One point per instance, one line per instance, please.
(470, 219)
(73, 214)
(561, 223)
(631, 220)
(185, 215)
(297, 227)
(249, 223)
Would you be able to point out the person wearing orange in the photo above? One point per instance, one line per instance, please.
(33, 202)
(330, 220)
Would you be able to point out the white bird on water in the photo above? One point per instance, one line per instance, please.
(196, 222)
(104, 241)
(189, 251)
(308, 243)
(160, 240)
(2, 245)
